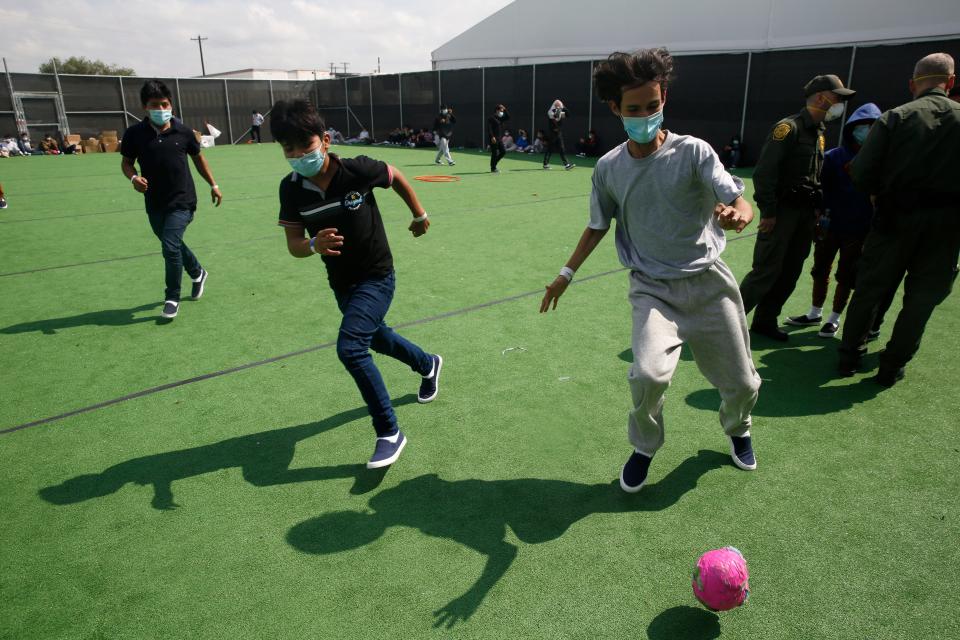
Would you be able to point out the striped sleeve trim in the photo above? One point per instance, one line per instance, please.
(292, 225)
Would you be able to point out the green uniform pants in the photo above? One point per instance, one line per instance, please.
(924, 245)
(778, 259)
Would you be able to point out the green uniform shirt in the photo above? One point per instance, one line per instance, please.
(913, 148)
(792, 157)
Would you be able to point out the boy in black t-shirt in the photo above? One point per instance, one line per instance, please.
(327, 206)
(160, 144)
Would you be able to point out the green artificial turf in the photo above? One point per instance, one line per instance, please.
(238, 507)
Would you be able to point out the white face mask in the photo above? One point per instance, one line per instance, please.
(834, 112)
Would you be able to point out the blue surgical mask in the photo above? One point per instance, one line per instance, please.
(643, 130)
(309, 164)
(160, 117)
(860, 133)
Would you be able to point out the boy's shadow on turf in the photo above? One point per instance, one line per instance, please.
(794, 381)
(107, 318)
(684, 623)
(476, 514)
(264, 460)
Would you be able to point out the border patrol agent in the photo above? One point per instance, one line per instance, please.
(787, 190)
(910, 164)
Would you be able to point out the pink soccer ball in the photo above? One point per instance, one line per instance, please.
(720, 579)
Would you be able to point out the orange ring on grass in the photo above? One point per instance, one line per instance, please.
(437, 178)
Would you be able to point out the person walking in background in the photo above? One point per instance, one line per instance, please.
(910, 164)
(256, 120)
(160, 144)
(443, 132)
(495, 132)
(786, 184)
(842, 227)
(555, 116)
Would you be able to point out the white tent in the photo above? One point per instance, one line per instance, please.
(544, 31)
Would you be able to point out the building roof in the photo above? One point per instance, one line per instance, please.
(543, 31)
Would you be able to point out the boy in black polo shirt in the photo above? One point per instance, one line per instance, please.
(160, 143)
(327, 206)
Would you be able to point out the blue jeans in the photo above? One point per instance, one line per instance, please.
(364, 307)
(169, 227)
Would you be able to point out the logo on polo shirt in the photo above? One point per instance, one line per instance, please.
(353, 200)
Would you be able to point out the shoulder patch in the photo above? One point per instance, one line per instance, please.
(781, 131)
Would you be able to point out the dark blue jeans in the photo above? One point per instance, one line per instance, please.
(169, 227)
(364, 307)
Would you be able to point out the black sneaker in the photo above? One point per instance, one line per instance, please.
(170, 309)
(494, 170)
(803, 321)
(451, 163)
(887, 377)
(430, 385)
(198, 284)
(386, 452)
(771, 331)
(829, 329)
(569, 166)
(3, 203)
(546, 166)
(633, 475)
(436, 162)
(873, 334)
(741, 451)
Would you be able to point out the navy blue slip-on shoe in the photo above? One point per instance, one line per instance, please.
(430, 386)
(803, 321)
(771, 331)
(198, 284)
(386, 452)
(873, 334)
(634, 472)
(741, 451)
(170, 309)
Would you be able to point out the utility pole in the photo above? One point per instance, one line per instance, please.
(344, 67)
(203, 70)
(378, 64)
(333, 71)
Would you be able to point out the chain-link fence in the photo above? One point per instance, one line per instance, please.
(714, 97)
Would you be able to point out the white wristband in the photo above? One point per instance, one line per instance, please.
(133, 177)
(214, 186)
(567, 273)
(313, 248)
(421, 218)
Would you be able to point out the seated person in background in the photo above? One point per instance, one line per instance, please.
(25, 146)
(9, 147)
(424, 139)
(49, 146)
(539, 143)
(507, 140)
(363, 138)
(65, 147)
(335, 136)
(588, 145)
(522, 142)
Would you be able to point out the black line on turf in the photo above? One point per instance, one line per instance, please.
(140, 255)
(299, 352)
(156, 253)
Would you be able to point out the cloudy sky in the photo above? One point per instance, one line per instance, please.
(154, 37)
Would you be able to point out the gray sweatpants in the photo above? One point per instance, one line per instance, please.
(706, 312)
(443, 149)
